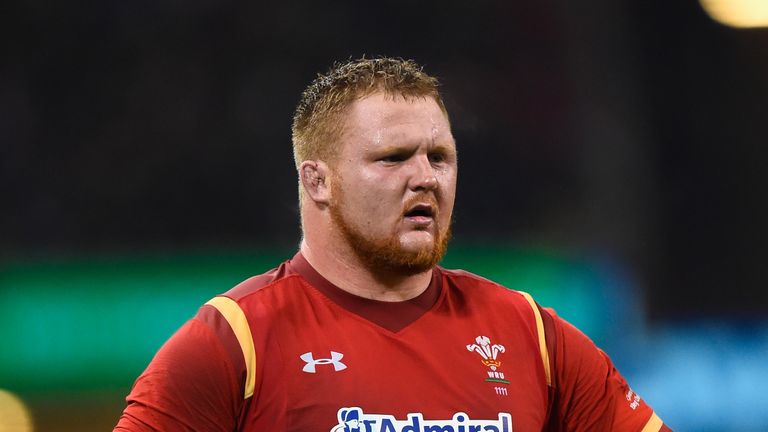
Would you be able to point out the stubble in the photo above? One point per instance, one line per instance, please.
(387, 255)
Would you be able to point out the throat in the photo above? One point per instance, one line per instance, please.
(381, 285)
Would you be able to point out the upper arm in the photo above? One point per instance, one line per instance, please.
(590, 392)
(193, 383)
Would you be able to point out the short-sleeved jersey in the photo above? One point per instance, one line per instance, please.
(289, 351)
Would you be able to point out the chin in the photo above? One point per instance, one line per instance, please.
(417, 241)
(417, 251)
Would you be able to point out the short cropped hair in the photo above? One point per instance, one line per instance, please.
(317, 122)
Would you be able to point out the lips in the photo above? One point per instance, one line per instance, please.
(420, 210)
(421, 215)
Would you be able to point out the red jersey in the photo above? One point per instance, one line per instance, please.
(289, 351)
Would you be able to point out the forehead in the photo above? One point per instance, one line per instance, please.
(392, 118)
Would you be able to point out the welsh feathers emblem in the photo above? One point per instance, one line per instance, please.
(489, 353)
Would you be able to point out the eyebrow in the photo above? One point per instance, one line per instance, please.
(444, 146)
(448, 147)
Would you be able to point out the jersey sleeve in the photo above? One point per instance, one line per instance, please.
(194, 382)
(591, 394)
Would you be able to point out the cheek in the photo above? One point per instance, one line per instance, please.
(380, 193)
(448, 197)
(371, 206)
(448, 186)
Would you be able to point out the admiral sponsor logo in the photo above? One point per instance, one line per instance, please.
(355, 420)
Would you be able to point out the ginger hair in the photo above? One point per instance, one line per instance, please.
(318, 120)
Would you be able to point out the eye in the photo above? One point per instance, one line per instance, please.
(393, 158)
(436, 157)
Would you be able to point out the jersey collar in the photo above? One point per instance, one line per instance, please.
(393, 316)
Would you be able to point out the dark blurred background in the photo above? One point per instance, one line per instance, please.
(150, 141)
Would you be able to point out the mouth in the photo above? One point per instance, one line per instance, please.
(420, 214)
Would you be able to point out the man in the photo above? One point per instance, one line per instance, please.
(361, 330)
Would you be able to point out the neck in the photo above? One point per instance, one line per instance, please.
(344, 269)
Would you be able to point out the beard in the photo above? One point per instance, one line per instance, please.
(387, 255)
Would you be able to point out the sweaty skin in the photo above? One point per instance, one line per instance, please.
(393, 187)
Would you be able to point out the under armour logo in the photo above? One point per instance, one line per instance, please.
(311, 363)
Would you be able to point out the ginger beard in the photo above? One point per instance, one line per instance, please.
(387, 255)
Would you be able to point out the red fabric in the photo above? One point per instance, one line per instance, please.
(188, 386)
(425, 367)
(591, 394)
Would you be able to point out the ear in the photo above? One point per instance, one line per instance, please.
(314, 179)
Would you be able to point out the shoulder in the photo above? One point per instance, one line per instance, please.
(474, 285)
(492, 299)
(232, 317)
(258, 299)
(263, 283)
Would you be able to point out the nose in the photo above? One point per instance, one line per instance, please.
(424, 177)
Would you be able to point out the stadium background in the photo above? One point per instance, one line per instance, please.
(612, 163)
